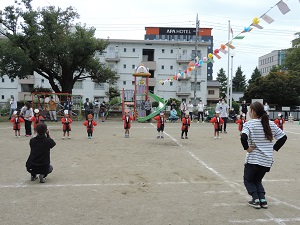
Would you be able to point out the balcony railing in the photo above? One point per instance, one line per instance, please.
(183, 58)
(28, 80)
(183, 91)
(112, 57)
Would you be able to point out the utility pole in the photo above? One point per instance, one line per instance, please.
(196, 49)
(228, 68)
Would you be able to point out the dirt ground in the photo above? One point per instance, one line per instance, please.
(111, 180)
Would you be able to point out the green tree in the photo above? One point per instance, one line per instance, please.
(255, 74)
(239, 80)
(292, 60)
(221, 77)
(278, 88)
(47, 42)
(112, 93)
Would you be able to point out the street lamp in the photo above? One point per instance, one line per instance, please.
(232, 54)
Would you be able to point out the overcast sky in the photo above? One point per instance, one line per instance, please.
(119, 19)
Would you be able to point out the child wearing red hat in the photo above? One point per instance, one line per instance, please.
(66, 121)
(36, 119)
(16, 121)
(90, 124)
(186, 123)
(127, 123)
(217, 121)
(279, 121)
(160, 124)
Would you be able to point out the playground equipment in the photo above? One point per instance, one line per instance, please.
(40, 101)
(136, 98)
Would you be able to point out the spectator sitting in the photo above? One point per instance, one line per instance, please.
(173, 115)
(232, 115)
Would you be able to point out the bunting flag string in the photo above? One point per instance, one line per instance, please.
(282, 6)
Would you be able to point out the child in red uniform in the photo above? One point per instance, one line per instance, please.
(186, 123)
(127, 123)
(16, 121)
(279, 121)
(90, 124)
(36, 119)
(241, 122)
(66, 121)
(160, 124)
(217, 121)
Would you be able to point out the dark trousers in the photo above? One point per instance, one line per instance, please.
(90, 133)
(191, 115)
(253, 175)
(184, 132)
(200, 113)
(28, 127)
(148, 112)
(225, 123)
(34, 172)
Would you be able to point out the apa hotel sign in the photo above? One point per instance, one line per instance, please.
(177, 31)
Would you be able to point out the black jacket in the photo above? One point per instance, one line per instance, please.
(39, 158)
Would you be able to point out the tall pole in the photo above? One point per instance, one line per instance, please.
(228, 68)
(196, 49)
(231, 76)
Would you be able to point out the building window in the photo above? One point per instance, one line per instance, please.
(2, 96)
(211, 92)
(171, 67)
(133, 66)
(162, 51)
(193, 86)
(12, 80)
(42, 80)
(171, 51)
(132, 82)
(171, 83)
(124, 82)
(78, 85)
(99, 86)
(162, 67)
(133, 50)
(2, 80)
(124, 66)
(124, 49)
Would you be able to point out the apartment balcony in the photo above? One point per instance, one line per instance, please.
(24, 96)
(152, 82)
(151, 65)
(187, 78)
(28, 80)
(112, 57)
(183, 58)
(183, 91)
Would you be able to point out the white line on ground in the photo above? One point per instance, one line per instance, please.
(276, 220)
(290, 132)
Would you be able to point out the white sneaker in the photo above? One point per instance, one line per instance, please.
(203, 122)
(69, 137)
(198, 122)
(219, 137)
(215, 138)
(63, 137)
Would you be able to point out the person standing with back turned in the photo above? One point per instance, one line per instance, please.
(256, 138)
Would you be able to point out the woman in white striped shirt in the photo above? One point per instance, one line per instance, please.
(257, 136)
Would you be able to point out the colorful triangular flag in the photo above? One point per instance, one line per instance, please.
(225, 51)
(229, 45)
(283, 7)
(239, 37)
(267, 18)
(257, 26)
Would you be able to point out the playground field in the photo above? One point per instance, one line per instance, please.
(111, 180)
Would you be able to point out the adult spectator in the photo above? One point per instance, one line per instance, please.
(190, 109)
(68, 106)
(244, 108)
(88, 107)
(224, 108)
(96, 109)
(173, 105)
(52, 109)
(267, 108)
(218, 105)
(232, 115)
(173, 115)
(27, 113)
(200, 108)
(13, 106)
(148, 107)
(183, 108)
(103, 110)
